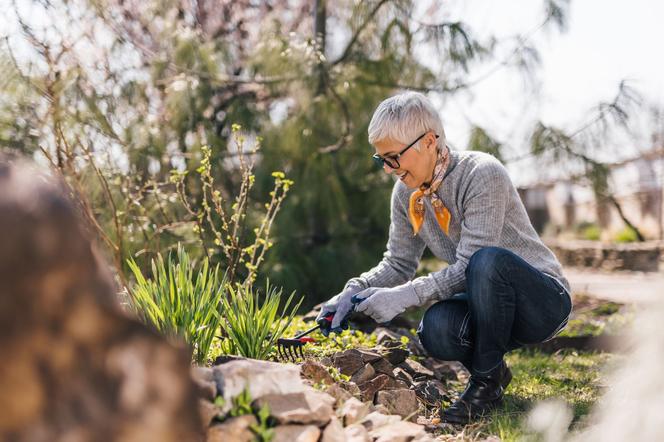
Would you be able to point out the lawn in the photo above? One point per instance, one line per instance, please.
(574, 377)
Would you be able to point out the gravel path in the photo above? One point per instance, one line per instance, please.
(625, 287)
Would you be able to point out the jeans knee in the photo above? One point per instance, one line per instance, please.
(439, 331)
(484, 261)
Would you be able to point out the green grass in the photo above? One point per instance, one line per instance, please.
(574, 377)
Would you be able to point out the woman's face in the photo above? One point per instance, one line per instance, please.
(415, 167)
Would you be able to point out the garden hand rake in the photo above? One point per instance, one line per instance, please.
(287, 348)
(292, 345)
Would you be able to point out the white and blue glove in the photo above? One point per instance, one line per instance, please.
(383, 304)
(341, 306)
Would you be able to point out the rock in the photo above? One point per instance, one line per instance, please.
(402, 375)
(384, 367)
(208, 411)
(446, 370)
(370, 388)
(356, 433)
(202, 374)
(339, 394)
(431, 425)
(316, 372)
(236, 429)
(296, 433)
(353, 411)
(348, 362)
(352, 388)
(396, 356)
(368, 355)
(363, 374)
(205, 382)
(400, 431)
(402, 402)
(416, 370)
(76, 366)
(206, 390)
(260, 377)
(385, 336)
(311, 315)
(391, 338)
(396, 384)
(334, 432)
(326, 361)
(431, 392)
(376, 420)
(379, 408)
(308, 407)
(223, 359)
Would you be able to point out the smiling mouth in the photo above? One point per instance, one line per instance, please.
(402, 176)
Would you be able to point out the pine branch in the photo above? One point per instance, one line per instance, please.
(358, 31)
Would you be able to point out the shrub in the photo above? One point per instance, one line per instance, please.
(626, 235)
(591, 232)
(181, 300)
(252, 325)
(222, 223)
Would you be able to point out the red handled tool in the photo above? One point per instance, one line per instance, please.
(288, 347)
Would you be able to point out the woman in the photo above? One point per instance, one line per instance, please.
(502, 288)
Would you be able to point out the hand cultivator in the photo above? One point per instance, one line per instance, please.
(287, 348)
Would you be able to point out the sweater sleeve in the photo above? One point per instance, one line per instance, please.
(484, 202)
(403, 254)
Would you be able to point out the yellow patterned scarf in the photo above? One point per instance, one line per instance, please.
(416, 205)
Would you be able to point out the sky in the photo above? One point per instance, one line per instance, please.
(606, 41)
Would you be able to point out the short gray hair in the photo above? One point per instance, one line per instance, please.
(404, 117)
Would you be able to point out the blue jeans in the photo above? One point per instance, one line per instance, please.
(507, 303)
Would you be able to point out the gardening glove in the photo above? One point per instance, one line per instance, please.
(383, 304)
(341, 306)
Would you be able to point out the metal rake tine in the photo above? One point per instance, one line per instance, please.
(280, 352)
(302, 352)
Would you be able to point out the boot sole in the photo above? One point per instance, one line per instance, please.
(463, 419)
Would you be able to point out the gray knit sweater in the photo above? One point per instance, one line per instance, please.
(486, 211)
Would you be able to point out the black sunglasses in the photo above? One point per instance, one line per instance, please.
(393, 161)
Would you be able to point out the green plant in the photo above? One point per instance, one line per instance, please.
(221, 225)
(626, 235)
(591, 232)
(252, 325)
(262, 429)
(241, 406)
(181, 300)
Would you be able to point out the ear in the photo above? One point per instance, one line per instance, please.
(430, 140)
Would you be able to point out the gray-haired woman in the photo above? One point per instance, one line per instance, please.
(503, 287)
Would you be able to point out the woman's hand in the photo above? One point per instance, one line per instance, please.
(342, 306)
(383, 304)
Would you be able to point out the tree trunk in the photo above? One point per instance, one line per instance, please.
(320, 32)
(616, 204)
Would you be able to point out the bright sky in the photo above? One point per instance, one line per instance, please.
(607, 41)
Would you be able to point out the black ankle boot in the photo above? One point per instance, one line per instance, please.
(482, 394)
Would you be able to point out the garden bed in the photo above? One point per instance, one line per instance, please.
(385, 379)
